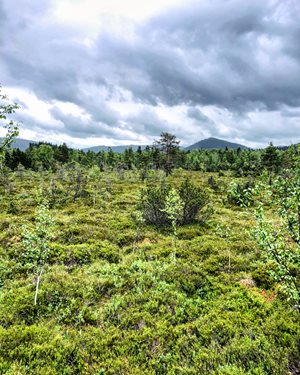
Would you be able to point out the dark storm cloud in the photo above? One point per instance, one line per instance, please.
(221, 53)
(80, 127)
(199, 116)
(147, 122)
(202, 121)
(231, 54)
(242, 56)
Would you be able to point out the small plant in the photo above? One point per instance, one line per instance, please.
(36, 243)
(174, 208)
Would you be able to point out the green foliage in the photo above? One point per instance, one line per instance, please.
(168, 145)
(287, 193)
(240, 194)
(173, 209)
(286, 259)
(281, 243)
(152, 204)
(36, 243)
(194, 200)
(271, 159)
(72, 255)
(12, 128)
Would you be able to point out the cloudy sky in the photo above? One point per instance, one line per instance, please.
(91, 72)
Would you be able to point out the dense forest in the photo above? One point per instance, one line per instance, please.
(44, 156)
(159, 261)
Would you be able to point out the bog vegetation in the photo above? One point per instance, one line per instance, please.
(159, 261)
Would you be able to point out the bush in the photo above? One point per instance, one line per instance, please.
(212, 183)
(240, 194)
(153, 204)
(194, 200)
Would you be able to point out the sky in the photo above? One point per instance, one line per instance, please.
(115, 72)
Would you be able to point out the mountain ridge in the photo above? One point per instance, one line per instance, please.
(207, 143)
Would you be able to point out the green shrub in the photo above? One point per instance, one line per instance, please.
(240, 194)
(194, 200)
(153, 204)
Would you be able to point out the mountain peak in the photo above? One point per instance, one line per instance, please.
(214, 143)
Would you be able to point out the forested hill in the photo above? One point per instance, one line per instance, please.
(214, 143)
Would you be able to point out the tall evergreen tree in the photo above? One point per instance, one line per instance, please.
(168, 144)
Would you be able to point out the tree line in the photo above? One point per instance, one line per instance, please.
(160, 155)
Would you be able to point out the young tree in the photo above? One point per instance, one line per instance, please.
(168, 145)
(173, 209)
(281, 243)
(12, 128)
(95, 177)
(271, 160)
(284, 257)
(36, 243)
(128, 158)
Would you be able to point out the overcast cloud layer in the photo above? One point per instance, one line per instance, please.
(88, 76)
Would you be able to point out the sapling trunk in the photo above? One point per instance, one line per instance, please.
(174, 250)
(37, 286)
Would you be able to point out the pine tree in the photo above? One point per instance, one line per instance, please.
(169, 146)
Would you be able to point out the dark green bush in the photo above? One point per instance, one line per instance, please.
(212, 183)
(194, 200)
(153, 200)
(152, 203)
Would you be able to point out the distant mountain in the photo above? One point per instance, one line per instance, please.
(118, 149)
(211, 143)
(21, 143)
